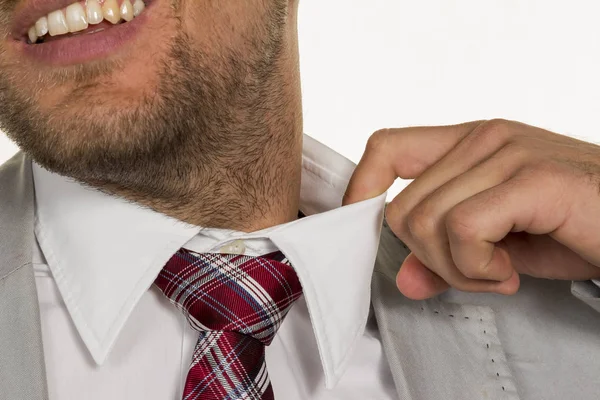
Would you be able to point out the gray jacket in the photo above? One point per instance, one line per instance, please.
(543, 343)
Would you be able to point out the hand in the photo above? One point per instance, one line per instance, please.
(490, 200)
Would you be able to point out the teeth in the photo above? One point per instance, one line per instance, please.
(76, 19)
(57, 23)
(138, 7)
(94, 12)
(111, 12)
(41, 26)
(33, 36)
(79, 15)
(127, 11)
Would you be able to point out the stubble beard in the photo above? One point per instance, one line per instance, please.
(213, 145)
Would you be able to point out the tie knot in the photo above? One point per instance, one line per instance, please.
(232, 293)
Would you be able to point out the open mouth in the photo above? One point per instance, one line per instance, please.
(63, 32)
(80, 18)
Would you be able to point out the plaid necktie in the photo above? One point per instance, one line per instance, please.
(237, 303)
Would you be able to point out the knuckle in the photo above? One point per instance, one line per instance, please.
(394, 217)
(421, 224)
(378, 140)
(397, 217)
(517, 153)
(459, 225)
(498, 124)
(516, 147)
(496, 129)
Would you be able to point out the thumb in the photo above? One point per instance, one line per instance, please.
(417, 282)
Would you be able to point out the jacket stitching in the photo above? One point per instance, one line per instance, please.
(14, 270)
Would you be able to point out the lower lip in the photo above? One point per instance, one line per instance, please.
(85, 47)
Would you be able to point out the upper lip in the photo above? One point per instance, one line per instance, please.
(30, 11)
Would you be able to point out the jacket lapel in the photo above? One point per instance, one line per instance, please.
(22, 368)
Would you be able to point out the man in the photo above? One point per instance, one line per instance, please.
(163, 162)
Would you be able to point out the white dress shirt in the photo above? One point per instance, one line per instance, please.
(108, 333)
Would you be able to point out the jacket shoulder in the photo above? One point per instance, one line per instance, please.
(11, 169)
(16, 213)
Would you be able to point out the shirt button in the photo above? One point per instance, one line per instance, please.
(235, 247)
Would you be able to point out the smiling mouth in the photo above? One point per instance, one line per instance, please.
(86, 17)
(79, 32)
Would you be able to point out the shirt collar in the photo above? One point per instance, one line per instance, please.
(105, 252)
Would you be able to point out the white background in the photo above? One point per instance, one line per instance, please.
(385, 63)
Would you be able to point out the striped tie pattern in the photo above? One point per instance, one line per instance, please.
(237, 303)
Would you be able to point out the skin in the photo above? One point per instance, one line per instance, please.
(490, 200)
(206, 127)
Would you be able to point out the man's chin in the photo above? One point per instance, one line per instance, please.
(88, 120)
(75, 126)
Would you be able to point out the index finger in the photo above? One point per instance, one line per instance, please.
(401, 153)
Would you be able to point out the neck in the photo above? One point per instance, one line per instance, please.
(244, 176)
(247, 183)
(252, 189)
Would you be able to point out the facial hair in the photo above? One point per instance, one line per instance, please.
(209, 134)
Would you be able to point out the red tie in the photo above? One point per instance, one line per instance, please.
(237, 303)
